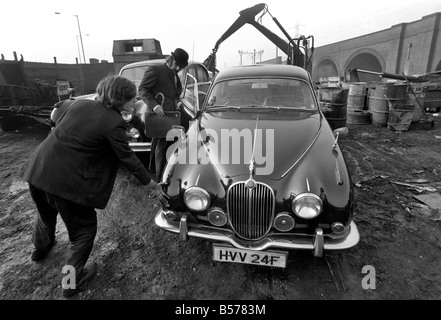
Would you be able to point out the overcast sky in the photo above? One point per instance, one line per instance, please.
(32, 29)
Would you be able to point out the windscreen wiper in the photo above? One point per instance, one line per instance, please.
(217, 108)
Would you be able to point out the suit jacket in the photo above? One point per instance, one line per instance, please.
(160, 78)
(79, 159)
(59, 109)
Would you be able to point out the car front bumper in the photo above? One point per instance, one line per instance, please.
(316, 243)
(140, 146)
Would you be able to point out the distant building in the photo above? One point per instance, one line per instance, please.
(128, 51)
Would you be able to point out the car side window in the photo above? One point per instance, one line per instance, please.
(202, 74)
(189, 95)
(191, 69)
(134, 74)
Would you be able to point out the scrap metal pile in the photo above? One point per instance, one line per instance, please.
(396, 104)
(21, 98)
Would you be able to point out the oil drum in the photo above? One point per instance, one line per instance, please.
(380, 99)
(357, 95)
(333, 104)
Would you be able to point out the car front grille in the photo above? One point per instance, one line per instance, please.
(250, 210)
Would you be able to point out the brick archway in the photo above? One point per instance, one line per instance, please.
(366, 59)
(326, 67)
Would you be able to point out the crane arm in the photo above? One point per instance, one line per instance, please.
(248, 16)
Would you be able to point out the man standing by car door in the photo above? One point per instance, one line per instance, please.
(163, 79)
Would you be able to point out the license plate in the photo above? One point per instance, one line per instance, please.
(262, 258)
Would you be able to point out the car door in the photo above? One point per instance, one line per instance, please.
(195, 88)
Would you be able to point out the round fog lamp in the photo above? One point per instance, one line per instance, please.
(284, 222)
(217, 217)
(337, 227)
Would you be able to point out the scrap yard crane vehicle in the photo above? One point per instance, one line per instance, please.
(299, 50)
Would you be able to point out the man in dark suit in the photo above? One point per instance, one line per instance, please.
(162, 79)
(59, 109)
(73, 171)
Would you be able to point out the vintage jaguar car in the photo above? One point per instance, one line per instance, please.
(259, 171)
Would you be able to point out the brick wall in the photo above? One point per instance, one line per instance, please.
(390, 47)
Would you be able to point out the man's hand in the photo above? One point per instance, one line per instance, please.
(158, 110)
(158, 190)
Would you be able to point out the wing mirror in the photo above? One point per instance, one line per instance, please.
(340, 133)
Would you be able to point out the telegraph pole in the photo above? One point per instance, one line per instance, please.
(253, 55)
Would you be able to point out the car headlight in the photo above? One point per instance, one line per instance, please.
(133, 133)
(196, 199)
(307, 205)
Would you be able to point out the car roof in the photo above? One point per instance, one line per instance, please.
(263, 70)
(145, 63)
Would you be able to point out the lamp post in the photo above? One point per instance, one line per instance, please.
(81, 37)
(78, 47)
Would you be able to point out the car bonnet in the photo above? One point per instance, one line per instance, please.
(270, 142)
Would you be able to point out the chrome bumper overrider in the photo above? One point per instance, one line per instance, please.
(317, 243)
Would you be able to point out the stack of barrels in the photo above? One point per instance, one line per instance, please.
(386, 96)
(389, 107)
(382, 104)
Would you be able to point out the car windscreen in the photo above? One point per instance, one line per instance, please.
(134, 74)
(262, 92)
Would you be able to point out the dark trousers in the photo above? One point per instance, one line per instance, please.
(158, 156)
(80, 221)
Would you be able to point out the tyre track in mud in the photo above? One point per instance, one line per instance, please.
(377, 161)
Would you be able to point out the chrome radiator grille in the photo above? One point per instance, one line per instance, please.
(251, 210)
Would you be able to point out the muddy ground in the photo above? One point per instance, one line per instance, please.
(400, 236)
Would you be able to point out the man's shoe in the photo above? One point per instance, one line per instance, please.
(88, 272)
(40, 254)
